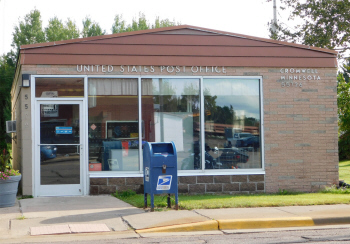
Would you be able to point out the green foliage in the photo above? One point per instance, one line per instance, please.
(163, 23)
(119, 25)
(5, 161)
(71, 30)
(336, 190)
(123, 194)
(7, 69)
(287, 192)
(25, 197)
(29, 31)
(344, 146)
(57, 31)
(324, 23)
(91, 28)
(344, 171)
(343, 101)
(139, 23)
(343, 104)
(6, 167)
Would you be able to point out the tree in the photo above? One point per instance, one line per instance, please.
(118, 25)
(57, 31)
(91, 28)
(345, 72)
(163, 23)
(141, 24)
(29, 31)
(71, 29)
(7, 69)
(324, 23)
(344, 117)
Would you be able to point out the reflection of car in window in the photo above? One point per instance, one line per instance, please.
(228, 159)
(48, 152)
(248, 141)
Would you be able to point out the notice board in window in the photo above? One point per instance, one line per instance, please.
(123, 130)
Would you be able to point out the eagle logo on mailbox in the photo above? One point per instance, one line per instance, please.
(164, 182)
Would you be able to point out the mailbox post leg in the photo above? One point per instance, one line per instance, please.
(169, 203)
(145, 200)
(152, 202)
(176, 200)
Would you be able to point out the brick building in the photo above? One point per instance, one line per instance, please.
(246, 114)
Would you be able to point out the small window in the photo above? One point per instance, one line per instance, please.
(59, 87)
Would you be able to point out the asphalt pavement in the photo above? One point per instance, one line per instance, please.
(76, 218)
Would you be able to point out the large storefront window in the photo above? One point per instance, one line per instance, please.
(232, 123)
(171, 112)
(113, 125)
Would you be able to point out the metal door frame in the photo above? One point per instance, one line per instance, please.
(59, 190)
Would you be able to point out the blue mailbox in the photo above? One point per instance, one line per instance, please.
(160, 171)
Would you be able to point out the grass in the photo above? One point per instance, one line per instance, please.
(282, 198)
(190, 202)
(21, 217)
(344, 171)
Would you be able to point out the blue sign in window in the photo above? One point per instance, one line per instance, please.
(64, 130)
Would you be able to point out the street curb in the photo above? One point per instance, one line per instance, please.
(332, 221)
(229, 224)
(235, 224)
(200, 226)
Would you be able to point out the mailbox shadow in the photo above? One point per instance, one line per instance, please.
(92, 217)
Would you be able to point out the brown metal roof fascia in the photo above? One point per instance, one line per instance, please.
(267, 40)
(180, 60)
(180, 40)
(92, 38)
(165, 50)
(174, 28)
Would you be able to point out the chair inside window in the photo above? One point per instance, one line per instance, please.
(112, 155)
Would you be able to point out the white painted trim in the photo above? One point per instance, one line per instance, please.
(202, 126)
(108, 174)
(84, 107)
(68, 189)
(33, 116)
(139, 97)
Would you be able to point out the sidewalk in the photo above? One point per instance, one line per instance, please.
(85, 217)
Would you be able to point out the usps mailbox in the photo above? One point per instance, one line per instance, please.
(160, 171)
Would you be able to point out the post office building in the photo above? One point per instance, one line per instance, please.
(246, 114)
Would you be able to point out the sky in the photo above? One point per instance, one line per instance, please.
(248, 17)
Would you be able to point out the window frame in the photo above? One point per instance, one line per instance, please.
(201, 172)
(139, 173)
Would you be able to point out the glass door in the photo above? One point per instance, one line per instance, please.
(58, 169)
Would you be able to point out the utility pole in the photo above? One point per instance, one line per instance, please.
(274, 22)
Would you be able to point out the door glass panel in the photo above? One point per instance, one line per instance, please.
(59, 144)
(59, 164)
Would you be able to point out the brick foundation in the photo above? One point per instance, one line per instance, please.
(229, 184)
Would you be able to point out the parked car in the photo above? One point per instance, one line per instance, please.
(230, 157)
(252, 141)
(48, 152)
